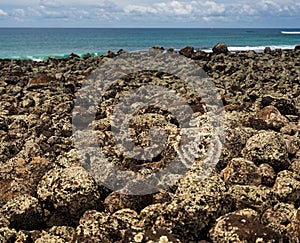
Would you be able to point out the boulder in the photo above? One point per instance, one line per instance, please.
(267, 50)
(187, 51)
(242, 226)
(267, 147)
(24, 212)
(220, 48)
(158, 48)
(297, 47)
(40, 81)
(71, 191)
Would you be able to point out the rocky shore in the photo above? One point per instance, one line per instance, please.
(253, 195)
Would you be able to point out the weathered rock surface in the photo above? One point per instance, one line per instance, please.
(242, 226)
(71, 191)
(267, 147)
(43, 179)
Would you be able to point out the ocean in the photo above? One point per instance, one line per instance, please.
(41, 43)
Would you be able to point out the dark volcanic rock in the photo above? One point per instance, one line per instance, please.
(158, 48)
(242, 226)
(267, 50)
(40, 81)
(242, 172)
(70, 191)
(187, 51)
(267, 147)
(23, 212)
(220, 48)
(261, 97)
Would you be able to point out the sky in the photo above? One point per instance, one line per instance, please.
(151, 13)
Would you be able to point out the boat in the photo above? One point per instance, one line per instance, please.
(290, 32)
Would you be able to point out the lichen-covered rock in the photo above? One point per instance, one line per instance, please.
(242, 226)
(293, 229)
(258, 197)
(287, 187)
(24, 212)
(18, 177)
(7, 234)
(3, 221)
(61, 234)
(193, 209)
(267, 147)
(235, 140)
(279, 217)
(295, 166)
(242, 172)
(273, 118)
(267, 174)
(70, 190)
(102, 227)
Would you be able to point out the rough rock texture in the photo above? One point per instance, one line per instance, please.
(24, 212)
(242, 226)
(253, 194)
(267, 147)
(242, 172)
(70, 191)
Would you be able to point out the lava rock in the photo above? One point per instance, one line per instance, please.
(267, 147)
(40, 81)
(187, 51)
(70, 190)
(242, 226)
(220, 48)
(242, 172)
(287, 187)
(272, 117)
(24, 212)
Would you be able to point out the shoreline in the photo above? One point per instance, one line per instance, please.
(231, 49)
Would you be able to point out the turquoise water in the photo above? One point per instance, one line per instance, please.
(40, 43)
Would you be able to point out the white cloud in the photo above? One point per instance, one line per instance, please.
(2, 13)
(144, 12)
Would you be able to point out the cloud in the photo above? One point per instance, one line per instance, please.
(144, 12)
(2, 13)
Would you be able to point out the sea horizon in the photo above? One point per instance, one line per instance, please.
(40, 43)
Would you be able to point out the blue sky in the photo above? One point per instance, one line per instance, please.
(150, 13)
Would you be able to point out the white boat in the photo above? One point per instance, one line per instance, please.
(290, 32)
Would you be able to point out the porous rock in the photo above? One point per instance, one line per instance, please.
(242, 226)
(23, 207)
(273, 118)
(103, 227)
(194, 209)
(258, 197)
(278, 217)
(242, 172)
(59, 234)
(287, 187)
(71, 190)
(267, 147)
(267, 174)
